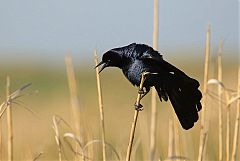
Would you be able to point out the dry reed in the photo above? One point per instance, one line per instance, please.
(134, 123)
(75, 108)
(37, 156)
(57, 136)
(176, 138)
(1, 139)
(6, 107)
(153, 125)
(171, 139)
(9, 122)
(100, 101)
(220, 117)
(203, 132)
(236, 130)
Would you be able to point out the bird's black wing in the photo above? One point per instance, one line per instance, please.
(145, 52)
(181, 89)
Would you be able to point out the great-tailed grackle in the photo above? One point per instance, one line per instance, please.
(169, 81)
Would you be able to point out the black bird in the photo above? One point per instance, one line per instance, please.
(169, 82)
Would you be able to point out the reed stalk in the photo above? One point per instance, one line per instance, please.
(134, 123)
(154, 93)
(1, 139)
(203, 132)
(220, 117)
(236, 129)
(75, 108)
(176, 138)
(9, 121)
(57, 136)
(171, 139)
(100, 102)
(228, 134)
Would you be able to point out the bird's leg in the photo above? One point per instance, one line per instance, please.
(138, 107)
(141, 90)
(145, 92)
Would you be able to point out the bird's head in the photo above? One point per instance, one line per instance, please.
(112, 58)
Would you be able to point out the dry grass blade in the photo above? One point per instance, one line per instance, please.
(1, 153)
(232, 100)
(236, 129)
(100, 141)
(217, 82)
(134, 123)
(100, 101)
(56, 122)
(57, 137)
(19, 91)
(13, 96)
(154, 93)
(170, 139)
(229, 100)
(37, 156)
(75, 109)
(9, 121)
(228, 134)
(78, 142)
(220, 117)
(3, 108)
(203, 132)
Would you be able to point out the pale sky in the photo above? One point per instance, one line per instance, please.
(53, 27)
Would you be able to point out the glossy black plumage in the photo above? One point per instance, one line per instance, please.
(170, 82)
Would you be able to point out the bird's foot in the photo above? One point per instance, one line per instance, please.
(138, 107)
(140, 91)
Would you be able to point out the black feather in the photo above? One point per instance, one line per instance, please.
(170, 82)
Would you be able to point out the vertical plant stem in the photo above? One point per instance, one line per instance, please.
(154, 93)
(203, 132)
(176, 138)
(75, 108)
(100, 101)
(1, 153)
(9, 121)
(57, 137)
(228, 134)
(236, 129)
(134, 123)
(220, 117)
(171, 139)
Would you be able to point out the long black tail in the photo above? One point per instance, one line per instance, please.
(183, 93)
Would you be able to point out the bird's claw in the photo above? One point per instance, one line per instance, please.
(138, 107)
(140, 91)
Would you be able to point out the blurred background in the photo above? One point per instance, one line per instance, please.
(35, 37)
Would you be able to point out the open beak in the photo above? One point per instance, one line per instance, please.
(105, 64)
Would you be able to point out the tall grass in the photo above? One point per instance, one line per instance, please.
(154, 93)
(236, 129)
(220, 117)
(170, 139)
(75, 108)
(203, 132)
(9, 122)
(100, 103)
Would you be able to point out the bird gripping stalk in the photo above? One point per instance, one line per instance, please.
(134, 123)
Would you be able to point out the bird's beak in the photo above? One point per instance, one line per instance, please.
(104, 66)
